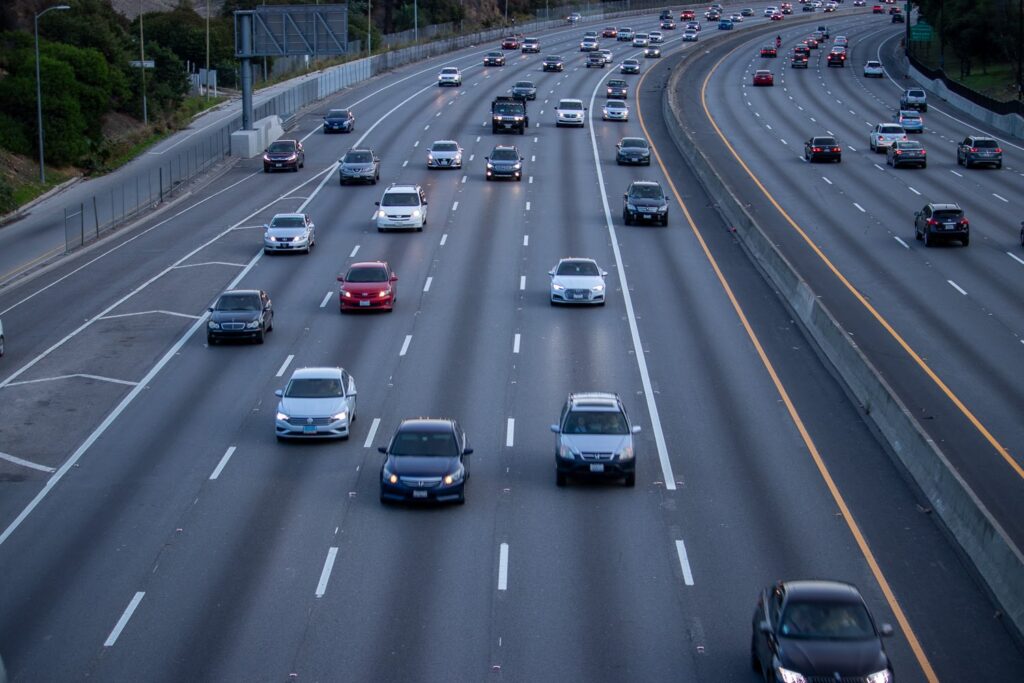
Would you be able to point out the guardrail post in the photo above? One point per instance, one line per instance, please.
(95, 216)
(161, 184)
(81, 224)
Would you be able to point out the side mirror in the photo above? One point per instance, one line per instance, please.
(341, 278)
(381, 449)
(467, 451)
(886, 630)
(352, 394)
(551, 272)
(279, 392)
(394, 278)
(556, 429)
(376, 203)
(765, 628)
(210, 309)
(487, 158)
(636, 429)
(425, 203)
(604, 273)
(625, 195)
(266, 226)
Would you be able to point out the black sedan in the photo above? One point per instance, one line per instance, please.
(645, 202)
(524, 90)
(553, 63)
(240, 314)
(426, 460)
(817, 630)
(494, 59)
(339, 121)
(823, 148)
(633, 151)
(284, 155)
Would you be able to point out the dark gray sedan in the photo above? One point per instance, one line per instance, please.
(524, 90)
(633, 151)
(240, 314)
(359, 166)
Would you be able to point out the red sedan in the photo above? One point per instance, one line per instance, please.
(510, 43)
(777, 16)
(368, 285)
(769, 51)
(763, 77)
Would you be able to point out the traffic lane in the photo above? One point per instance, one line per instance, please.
(855, 458)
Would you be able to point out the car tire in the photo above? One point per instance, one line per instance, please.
(664, 221)
(560, 478)
(210, 340)
(384, 501)
(927, 239)
(999, 165)
(270, 324)
(755, 663)
(261, 336)
(626, 219)
(631, 480)
(924, 164)
(461, 500)
(966, 241)
(967, 161)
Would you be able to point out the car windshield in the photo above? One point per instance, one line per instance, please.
(508, 108)
(985, 143)
(337, 114)
(445, 147)
(615, 104)
(595, 422)
(630, 62)
(366, 275)
(239, 302)
(315, 387)
(826, 620)
(523, 84)
(451, 71)
(504, 155)
(400, 199)
(358, 158)
(494, 54)
(566, 104)
(824, 142)
(578, 268)
(288, 222)
(947, 215)
(634, 142)
(552, 58)
(646, 191)
(282, 146)
(440, 444)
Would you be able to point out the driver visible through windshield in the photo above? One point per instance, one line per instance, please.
(314, 388)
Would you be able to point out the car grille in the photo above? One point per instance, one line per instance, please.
(597, 457)
(582, 294)
(232, 327)
(420, 482)
(310, 421)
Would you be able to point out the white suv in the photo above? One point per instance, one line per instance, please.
(403, 207)
(570, 113)
(640, 40)
(449, 76)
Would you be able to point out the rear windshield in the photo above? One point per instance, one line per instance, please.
(909, 144)
(358, 158)
(891, 130)
(824, 142)
(319, 387)
(366, 275)
(946, 215)
(578, 268)
(916, 93)
(595, 422)
(239, 302)
(441, 444)
(985, 143)
(288, 222)
(400, 199)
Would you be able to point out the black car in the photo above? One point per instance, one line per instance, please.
(897, 18)
(629, 66)
(553, 63)
(906, 152)
(494, 59)
(976, 149)
(240, 314)
(283, 155)
(633, 151)
(617, 89)
(339, 121)
(426, 460)
(645, 201)
(504, 161)
(359, 166)
(822, 148)
(817, 631)
(941, 222)
(524, 90)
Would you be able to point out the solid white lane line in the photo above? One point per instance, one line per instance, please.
(852, 149)
(405, 345)
(285, 364)
(1002, 199)
(955, 173)
(526, 240)
(426, 285)
(455, 206)
(634, 330)
(515, 345)
(503, 567)
(879, 167)
(1015, 258)
(684, 562)
(355, 249)
(914, 191)
(957, 287)
(826, 180)
(859, 207)
(527, 206)
(510, 432)
(372, 433)
(325, 574)
(327, 297)
(223, 461)
(905, 245)
(123, 621)
(522, 282)
(34, 466)
(444, 238)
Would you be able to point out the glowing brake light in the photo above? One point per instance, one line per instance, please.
(974, 149)
(932, 221)
(816, 149)
(835, 149)
(999, 150)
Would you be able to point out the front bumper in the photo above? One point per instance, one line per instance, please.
(449, 162)
(337, 128)
(637, 160)
(652, 216)
(367, 303)
(356, 176)
(552, 67)
(223, 334)
(301, 245)
(400, 223)
(273, 165)
(452, 82)
(615, 116)
(322, 428)
(510, 174)
(577, 296)
(433, 490)
(566, 121)
(611, 469)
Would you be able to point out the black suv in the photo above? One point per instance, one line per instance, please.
(426, 460)
(976, 149)
(553, 63)
(617, 89)
(240, 314)
(504, 161)
(941, 222)
(645, 201)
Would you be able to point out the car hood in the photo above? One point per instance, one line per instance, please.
(644, 201)
(234, 316)
(421, 466)
(285, 232)
(829, 657)
(359, 167)
(279, 156)
(596, 443)
(503, 163)
(312, 407)
(635, 151)
(365, 287)
(443, 154)
(577, 281)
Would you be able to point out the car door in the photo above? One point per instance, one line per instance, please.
(350, 393)
(773, 600)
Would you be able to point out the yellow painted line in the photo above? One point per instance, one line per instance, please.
(862, 543)
(853, 290)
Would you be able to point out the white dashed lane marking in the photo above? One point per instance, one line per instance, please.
(327, 297)
(355, 249)
(956, 287)
(405, 345)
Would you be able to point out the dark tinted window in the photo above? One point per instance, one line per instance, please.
(909, 144)
(523, 84)
(947, 214)
(826, 620)
(985, 143)
(504, 155)
(288, 222)
(646, 191)
(581, 268)
(358, 158)
(327, 387)
(595, 422)
(400, 199)
(410, 442)
(239, 302)
(634, 142)
(337, 114)
(366, 275)
(445, 147)
(824, 142)
(282, 146)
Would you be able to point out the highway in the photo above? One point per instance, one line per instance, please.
(156, 530)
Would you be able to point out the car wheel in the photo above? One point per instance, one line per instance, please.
(999, 165)
(966, 240)
(839, 159)
(664, 221)
(461, 500)
(924, 164)
(261, 336)
(559, 478)
(631, 480)
(755, 663)
(210, 341)
(927, 239)
(626, 219)
(266, 169)
(967, 161)
(270, 324)
(618, 162)
(871, 144)
(384, 501)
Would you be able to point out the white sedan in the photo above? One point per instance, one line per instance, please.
(577, 281)
(289, 232)
(317, 403)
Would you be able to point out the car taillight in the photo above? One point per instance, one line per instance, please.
(835, 149)
(964, 222)
(923, 152)
(999, 150)
(974, 149)
(932, 221)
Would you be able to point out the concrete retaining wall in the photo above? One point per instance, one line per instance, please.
(998, 561)
(1011, 124)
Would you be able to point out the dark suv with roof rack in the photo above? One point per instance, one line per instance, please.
(645, 202)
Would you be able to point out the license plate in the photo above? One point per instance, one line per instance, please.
(419, 494)
(597, 468)
(277, 165)
(309, 429)
(364, 303)
(577, 296)
(647, 215)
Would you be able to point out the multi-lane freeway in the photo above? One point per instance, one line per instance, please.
(152, 528)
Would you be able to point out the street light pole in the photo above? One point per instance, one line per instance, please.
(416, 20)
(207, 49)
(142, 59)
(369, 27)
(39, 94)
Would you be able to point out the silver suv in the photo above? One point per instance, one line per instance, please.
(594, 439)
(914, 98)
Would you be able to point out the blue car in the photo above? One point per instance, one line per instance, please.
(725, 25)
(339, 121)
(910, 119)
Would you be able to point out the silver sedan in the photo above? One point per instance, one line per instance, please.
(289, 232)
(615, 110)
(577, 281)
(317, 403)
(444, 154)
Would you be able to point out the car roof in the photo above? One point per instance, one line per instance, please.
(450, 68)
(240, 291)
(289, 215)
(819, 590)
(403, 188)
(654, 183)
(595, 399)
(452, 142)
(426, 424)
(314, 373)
(576, 259)
(370, 264)
(504, 147)
(570, 99)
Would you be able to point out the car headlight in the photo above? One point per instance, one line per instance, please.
(389, 476)
(597, 288)
(517, 166)
(384, 292)
(347, 295)
(281, 416)
(626, 453)
(567, 453)
(663, 209)
(415, 213)
(788, 676)
(213, 325)
(292, 157)
(430, 156)
(455, 477)
(519, 118)
(252, 325)
(557, 287)
(631, 207)
(340, 416)
(490, 166)
(271, 238)
(381, 214)
(884, 676)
